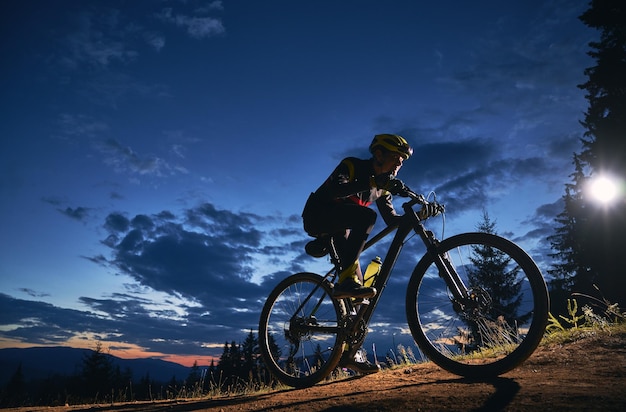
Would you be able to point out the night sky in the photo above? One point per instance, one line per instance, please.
(155, 156)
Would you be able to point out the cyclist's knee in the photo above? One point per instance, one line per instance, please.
(364, 220)
(368, 216)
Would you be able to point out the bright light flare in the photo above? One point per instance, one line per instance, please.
(604, 189)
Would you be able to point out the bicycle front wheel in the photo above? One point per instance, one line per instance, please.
(500, 321)
(300, 330)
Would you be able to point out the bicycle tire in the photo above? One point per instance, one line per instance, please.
(301, 349)
(497, 335)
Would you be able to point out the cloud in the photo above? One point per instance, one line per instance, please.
(124, 160)
(155, 40)
(101, 36)
(78, 213)
(470, 173)
(523, 92)
(198, 27)
(42, 323)
(116, 222)
(80, 126)
(122, 318)
(98, 40)
(190, 282)
(33, 293)
(203, 260)
(98, 45)
(209, 247)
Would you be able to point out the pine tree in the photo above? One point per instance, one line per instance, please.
(493, 274)
(589, 239)
(572, 269)
(250, 352)
(194, 375)
(230, 363)
(235, 359)
(145, 386)
(15, 393)
(225, 364)
(97, 373)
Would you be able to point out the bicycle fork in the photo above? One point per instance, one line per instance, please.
(446, 269)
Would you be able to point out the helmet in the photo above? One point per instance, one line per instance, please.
(391, 143)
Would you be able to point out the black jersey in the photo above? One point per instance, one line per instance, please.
(350, 183)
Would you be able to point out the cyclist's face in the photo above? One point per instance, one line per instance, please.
(391, 162)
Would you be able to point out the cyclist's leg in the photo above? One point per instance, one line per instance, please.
(357, 221)
(354, 223)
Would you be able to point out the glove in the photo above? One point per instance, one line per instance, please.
(388, 182)
(428, 210)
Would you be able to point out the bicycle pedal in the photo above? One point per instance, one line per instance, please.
(360, 301)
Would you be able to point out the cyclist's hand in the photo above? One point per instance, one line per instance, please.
(428, 210)
(388, 182)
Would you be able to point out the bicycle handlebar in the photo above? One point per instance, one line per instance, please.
(418, 199)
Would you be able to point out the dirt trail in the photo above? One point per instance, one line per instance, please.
(589, 374)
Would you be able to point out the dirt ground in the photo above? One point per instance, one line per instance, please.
(589, 374)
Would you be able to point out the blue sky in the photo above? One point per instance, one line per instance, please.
(155, 155)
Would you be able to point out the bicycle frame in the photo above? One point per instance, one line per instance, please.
(410, 222)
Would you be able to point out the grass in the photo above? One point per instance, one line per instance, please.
(584, 322)
(581, 322)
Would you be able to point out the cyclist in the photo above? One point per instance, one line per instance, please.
(339, 207)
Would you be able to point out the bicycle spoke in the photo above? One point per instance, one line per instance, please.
(498, 324)
(300, 331)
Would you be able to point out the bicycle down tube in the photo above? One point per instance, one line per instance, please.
(403, 229)
(446, 270)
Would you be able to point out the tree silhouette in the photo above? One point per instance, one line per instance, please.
(250, 352)
(589, 239)
(97, 373)
(194, 374)
(15, 393)
(494, 273)
(242, 365)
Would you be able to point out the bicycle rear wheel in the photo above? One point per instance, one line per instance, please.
(498, 325)
(300, 330)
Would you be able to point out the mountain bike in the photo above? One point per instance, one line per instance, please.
(476, 305)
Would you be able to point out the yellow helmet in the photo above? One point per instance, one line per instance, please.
(391, 143)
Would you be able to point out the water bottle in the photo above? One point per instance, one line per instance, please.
(371, 272)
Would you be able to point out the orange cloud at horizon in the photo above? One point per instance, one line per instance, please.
(121, 350)
(189, 360)
(131, 351)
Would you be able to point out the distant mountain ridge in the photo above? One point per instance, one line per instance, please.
(44, 362)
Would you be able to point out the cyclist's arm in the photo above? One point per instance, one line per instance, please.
(386, 209)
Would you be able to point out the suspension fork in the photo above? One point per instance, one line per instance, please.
(446, 269)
